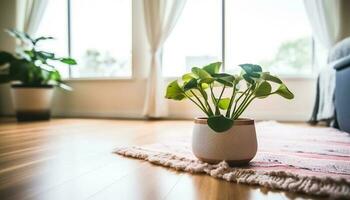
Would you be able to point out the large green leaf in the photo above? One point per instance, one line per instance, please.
(69, 61)
(189, 76)
(284, 92)
(225, 79)
(192, 84)
(267, 76)
(263, 90)
(224, 103)
(220, 123)
(250, 68)
(174, 91)
(204, 76)
(213, 68)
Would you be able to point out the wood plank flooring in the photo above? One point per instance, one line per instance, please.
(71, 159)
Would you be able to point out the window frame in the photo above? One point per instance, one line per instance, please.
(223, 51)
(69, 50)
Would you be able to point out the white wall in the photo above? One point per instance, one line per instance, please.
(125, 98)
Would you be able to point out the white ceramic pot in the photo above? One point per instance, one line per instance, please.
(32, 103)
(237, 146)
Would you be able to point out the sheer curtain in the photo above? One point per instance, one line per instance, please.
(160, 19)
(325, 20)
(29, 14)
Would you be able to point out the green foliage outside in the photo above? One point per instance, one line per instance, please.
(294, 54)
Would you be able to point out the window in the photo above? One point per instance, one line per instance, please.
(196, 38)
(273, 33)
(97, 33)
(55, 24)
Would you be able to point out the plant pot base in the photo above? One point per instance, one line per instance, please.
(25, 116)
(231, 163)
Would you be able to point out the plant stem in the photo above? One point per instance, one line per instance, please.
(194, 94)
(213, 99)
(234, 108)
(210, 111)
(228, 112)
(247, 96)
(196, 104)
(243, 109)
(217, 111)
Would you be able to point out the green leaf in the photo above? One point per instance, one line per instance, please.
(224, 103)
(267, 76)
(212, 68)
(254, 75)
(69, 61)
(189, 76)
(19, 70)
(55, 75)
(204, 76)
(42, 38)
(284, 92)
(263, 90)
(174, 91)
(192, 84)
(250, 68)
(20, 35)
(43, 56)
(204, 86)
(225, 79)
(5, 57)
(247, 78)
(220, 123)
(30, 54)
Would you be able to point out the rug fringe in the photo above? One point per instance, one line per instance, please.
(311, 185)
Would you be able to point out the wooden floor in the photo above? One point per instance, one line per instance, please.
(71, 159)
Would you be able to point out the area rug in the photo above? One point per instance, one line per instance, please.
(309, 160)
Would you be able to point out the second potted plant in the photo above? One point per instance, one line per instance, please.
(32, 75)
(222, 134)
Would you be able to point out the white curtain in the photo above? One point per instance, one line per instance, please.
(324, 17)
(29, 14)
(325, 20)
(160, 19)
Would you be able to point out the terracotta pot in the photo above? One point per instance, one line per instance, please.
(32, 103)
(237, 146)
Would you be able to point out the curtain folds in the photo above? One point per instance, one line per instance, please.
(326, 23)
(30, 13)
(160, 19)
(325, 20)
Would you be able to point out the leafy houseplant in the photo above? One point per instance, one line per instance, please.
(33, 75)
(223, 113)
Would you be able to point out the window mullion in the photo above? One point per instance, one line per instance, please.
(69, 34)
(223, 34)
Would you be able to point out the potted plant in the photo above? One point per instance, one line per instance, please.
(32, 75)
(222, 134)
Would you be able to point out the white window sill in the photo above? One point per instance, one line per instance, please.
(168, 78)
(126, 78)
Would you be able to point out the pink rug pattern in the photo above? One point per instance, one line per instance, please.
(309, 160)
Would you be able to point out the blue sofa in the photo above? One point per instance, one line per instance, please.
(342, 93)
